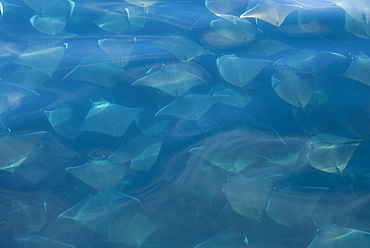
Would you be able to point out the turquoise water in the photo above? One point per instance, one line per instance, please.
(181, 124)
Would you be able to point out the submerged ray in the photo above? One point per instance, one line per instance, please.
(313, 23)
(171, 80)
(142, 151)
(54, 20)
(293, 86)
(65, 121)
(109, 118)
(27, 77)
(32, 240)
(267, 48)
(41, 6)
(359, 69)
(45, 157)
(114, 215)
(136, 17)
(148, 123)
(358, 123)
(227, 239)
(336, 236)
(97, 69)
(238, 148)
(221, 8)
(42, 58)
(331, 153)
(189, 107)
(240, 71)
(309, 61)
(214, 40)
(357, 9)
(248, 196)
(233, 96)
(183, 48)
(48, 24)
(8, 53)
(200, 181)
(241, 30)
(142, 3)
(11, 96)
(118, 49)
(113, 21)
(16, 148)
(292, 206)
(271, 11)
(357, 28)
(101, 174)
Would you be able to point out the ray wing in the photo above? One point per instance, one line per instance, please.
(189, 107)
(271, 11)
(172, 80)
(109, 118)
(240, 71)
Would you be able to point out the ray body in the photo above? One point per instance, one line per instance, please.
(331, 153)
(25, 217)
(271, 11)
(239, 148)
(248, 196)
(27, 77)
(115, 216)
(65, 121)
(16, 148)
(142, 3)
(358, 123)
(113, 21)
(241, 30)
(359, 29)
(102, 174)
(358, 70)
(97, 69)
(225, 240)
(336, 236)
(11, 96)
(47, 24)
(234, 97)
(142, 151)
(292, 206)
(40, 6)
(222, 7)
(118, 49)
(240, 71)
(148, 123)
(310, 61)
(55, 19)
(267, 48)
(171, 80)
(38, 165)
(42, 58)
(183, 48)
(137, 17)
(293, 86)
(109, 118)
(357, 9)
(189, 107)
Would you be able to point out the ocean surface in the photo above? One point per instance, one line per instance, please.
(184, 123)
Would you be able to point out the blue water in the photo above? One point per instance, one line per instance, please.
(178, 124)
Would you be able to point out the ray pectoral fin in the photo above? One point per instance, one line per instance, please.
(359, 69)
(102, 175)
(271, 11)
(293, 86)
(172, 80)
